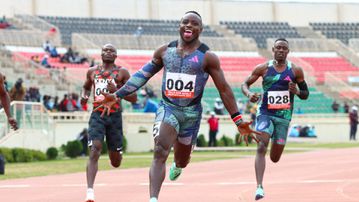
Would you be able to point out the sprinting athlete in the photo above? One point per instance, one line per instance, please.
(280, 81)
(104, 78)
(187, 64)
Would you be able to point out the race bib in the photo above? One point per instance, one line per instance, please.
(278, 100)
(101, 86)
(179, 85)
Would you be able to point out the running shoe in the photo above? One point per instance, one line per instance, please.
(90, 195)
(153, 199)
(174, 172)
(259, 193)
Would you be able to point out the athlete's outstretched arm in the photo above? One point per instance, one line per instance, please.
(303, 92)
(5, 102)
(213, 68)
(141, 77)
(256, 73)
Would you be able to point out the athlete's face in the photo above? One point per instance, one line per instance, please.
(190, 27)
(108, 53)
(280, 50)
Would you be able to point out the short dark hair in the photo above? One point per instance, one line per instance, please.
(281, 39)
(194, 12)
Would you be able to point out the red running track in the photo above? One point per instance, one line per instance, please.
(316, 176)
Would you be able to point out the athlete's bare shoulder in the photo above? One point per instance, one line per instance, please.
(261, 69)
(211, 61)
(92, 69)
(1, 77)
(298, 72)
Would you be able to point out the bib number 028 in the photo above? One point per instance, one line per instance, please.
(278, 100)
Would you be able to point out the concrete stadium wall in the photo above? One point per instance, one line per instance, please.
(212, 11)
(137, 129)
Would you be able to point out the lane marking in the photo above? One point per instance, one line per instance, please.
(347, 182)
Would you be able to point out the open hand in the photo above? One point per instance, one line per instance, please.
(13, 123)
(106, 103)
(245, 131)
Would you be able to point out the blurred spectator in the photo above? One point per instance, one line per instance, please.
(335, 106)
(18, 91)
(77, 59)
(45, 62)
(68, 56)
(63, 103)
(53, 52)
(33, 95)
(139, 31)
(218, 107)
(47, 46)
(213, 130)
(150, 106)
(240, 105)
(149, 92)
(253, 114)
(71, 104)
(302, 131)
(346, 107)
(51, 34)
(307, 131)
(299, 111)
(4, 23)
(47, 102)
(56, 104)
(35, 58)
(294, 130)
(353, 116)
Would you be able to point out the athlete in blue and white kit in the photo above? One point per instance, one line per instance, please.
(280, 80)
(187, 65)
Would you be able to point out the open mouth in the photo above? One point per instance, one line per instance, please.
(187, 33)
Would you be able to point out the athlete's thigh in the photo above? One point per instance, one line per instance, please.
(114, 132)
(280, 132)
(97, 128)
(279, 138)
(189, 121)
(166, 126)
(265, 126)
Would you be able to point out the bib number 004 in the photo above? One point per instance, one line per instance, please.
(179, 85)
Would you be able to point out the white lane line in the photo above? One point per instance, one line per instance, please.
(164, 184)
(14, 186)
(73, 185)
(289, 182)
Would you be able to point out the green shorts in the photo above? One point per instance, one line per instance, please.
(276, 127)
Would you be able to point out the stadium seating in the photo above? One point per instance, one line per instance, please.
(337, 30)
(69, 25)
(316, 103)
(261, 31)
(321, 65)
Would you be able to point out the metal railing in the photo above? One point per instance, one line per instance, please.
(29, 115)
